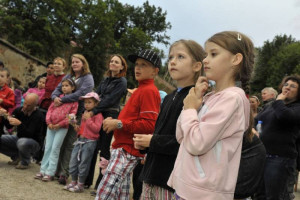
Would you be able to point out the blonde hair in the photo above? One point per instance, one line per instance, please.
(62, 60)
(85, 67)
(195, 50)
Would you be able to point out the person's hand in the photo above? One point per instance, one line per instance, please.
(191, 101)
(282, 96)
(142, 140)
(14, 121)
(1, 100)
(139, 147)
(87, 115)
(3, 112)
(57, 101)
(50, 126)
(110, 124)
(201, 86)
(255, 132)
(76, 127)
(56, 126)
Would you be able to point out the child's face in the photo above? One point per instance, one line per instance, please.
(89, 103)
(58, 66)
(66, 87)
(144, 70)
(41, 83)
(181, 66)
(3, 78)
(218, 64)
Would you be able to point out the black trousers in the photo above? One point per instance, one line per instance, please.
(136, 182)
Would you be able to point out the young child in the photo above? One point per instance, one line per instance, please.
(58, 123)
(86, 143)
(210, 140)
(40, 90)
(185, 63)
(137, 117)
(7, 97)
(52, 81)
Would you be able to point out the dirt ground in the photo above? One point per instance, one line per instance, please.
(20, 185)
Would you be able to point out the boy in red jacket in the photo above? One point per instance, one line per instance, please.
(7, 96)
(138, 116)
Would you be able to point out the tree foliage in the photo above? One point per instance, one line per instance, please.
(98, 28)
(274, 60)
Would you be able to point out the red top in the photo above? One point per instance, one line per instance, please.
(90, 128)
(8, 97)
(51, 83)
(138, 116)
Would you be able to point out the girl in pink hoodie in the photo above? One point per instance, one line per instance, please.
(210, 127)
(58, 124)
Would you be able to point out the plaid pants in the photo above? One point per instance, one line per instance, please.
(151, 192)
(115, 183)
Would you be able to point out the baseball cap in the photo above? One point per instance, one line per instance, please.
(90, 95)
(148, 55)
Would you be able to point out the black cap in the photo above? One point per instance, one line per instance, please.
(148, 55)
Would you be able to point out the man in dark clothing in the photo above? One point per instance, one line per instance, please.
(28, 120)
(50, 71)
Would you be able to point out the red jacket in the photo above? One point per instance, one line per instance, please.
(51, 83)
(8, 97)
(138, 116)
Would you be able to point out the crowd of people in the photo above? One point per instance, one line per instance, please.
(199, 142)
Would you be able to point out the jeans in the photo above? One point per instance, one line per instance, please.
(278, 173)
(103, 145)
(54, 140)
(81, 158)
(15, 147)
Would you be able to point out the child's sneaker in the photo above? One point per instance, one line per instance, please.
(39, 176)
(47, 178)
(69, 186)
(76, 189)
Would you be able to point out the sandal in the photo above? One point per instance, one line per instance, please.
(39, 176)
(76, 189)
(69, 186)
(47, 178)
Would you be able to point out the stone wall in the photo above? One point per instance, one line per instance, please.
(21, 65)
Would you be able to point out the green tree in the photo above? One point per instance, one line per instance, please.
(98, 28)
(263, 67)
(285, 62)
(42, 28)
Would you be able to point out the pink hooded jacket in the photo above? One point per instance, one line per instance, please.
(208, 160)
